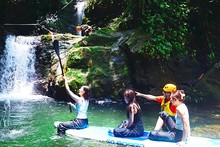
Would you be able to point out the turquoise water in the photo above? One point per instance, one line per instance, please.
(30, 121)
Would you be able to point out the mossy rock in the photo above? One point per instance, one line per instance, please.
(91, 66)
(85, 57)
(104, 37)
(137, 40)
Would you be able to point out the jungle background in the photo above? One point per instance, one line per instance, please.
(139, 44)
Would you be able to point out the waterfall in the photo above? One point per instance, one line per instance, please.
(80, 6)
(17, 65)
(115, 60)
(78, 16)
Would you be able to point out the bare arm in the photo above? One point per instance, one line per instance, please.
(72, 105)
(147, 96)
(185, 124)
(132, 111)
(72, 95)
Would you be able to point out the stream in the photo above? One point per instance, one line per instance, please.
(27, 120)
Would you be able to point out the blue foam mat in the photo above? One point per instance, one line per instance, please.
(102, 134)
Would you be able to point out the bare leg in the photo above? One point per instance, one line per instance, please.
(159, 124)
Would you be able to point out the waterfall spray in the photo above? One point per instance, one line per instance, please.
(17, 70)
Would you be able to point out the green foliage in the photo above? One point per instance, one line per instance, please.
(134, 9)
(101, 12)
(167, 27)
(41, 12)
(46, 38)
(176, 29)
(196, 96)
(204, 25)
(165, 22)
(78, 58)
(89, 58)
(78, 78)
(101, 39)
(105, 31)
(84, 67)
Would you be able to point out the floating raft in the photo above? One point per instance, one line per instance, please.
(102, 134)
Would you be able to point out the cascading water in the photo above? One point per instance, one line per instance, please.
(80, 6)
(17, 70)
(115, 59)
(78, 16)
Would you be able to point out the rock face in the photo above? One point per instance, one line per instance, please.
(209, 85)
(47, 64)
(107, 62)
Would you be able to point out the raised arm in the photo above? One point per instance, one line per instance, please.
(147, 96)
(72, 95)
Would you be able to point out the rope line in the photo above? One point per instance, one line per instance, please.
(39, 24)
(59, 10)
(20, 24)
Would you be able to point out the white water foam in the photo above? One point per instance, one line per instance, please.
(18, 65)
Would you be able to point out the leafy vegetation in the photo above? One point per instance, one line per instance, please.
(92, 65)
(176, 29)
(170, 30)
(45, 15)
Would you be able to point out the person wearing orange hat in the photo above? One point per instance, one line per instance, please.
(85, 29)
(165, 102)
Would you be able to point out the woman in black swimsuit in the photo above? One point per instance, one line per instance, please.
(133, 126)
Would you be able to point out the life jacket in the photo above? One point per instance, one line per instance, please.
(166, 107)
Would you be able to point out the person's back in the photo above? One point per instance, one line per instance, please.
(133, 126)
(138, 124)
(81, 109)
(86, 30)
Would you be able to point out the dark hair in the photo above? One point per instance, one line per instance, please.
(87, 93)
(130, 95)
(180, 95)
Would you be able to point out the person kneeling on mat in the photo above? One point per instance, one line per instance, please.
(133, 126)
(82, 104)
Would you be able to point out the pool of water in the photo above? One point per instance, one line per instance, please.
(28, 120)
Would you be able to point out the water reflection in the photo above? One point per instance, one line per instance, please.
(16, 113)
(205, 120)
(29, 120)
(5, 114)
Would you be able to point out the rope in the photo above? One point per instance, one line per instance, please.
(39, 24)
(30, 24)
(19, 24)
(59, 10)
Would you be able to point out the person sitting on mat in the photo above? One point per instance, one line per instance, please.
(82, 104)
(133, 126)
(166, 105)
(179, 131)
